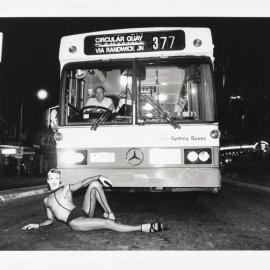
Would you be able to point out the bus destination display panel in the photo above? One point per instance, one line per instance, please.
(134, 42)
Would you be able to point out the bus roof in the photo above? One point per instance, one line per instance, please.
(195, 41)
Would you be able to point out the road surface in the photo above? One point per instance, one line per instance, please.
(7, 183)
(236, 219)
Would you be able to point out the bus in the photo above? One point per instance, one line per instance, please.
(1, 45)
(159, 129)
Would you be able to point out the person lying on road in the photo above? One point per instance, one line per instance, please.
(59, 204)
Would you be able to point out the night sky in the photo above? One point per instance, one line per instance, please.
(242, 52)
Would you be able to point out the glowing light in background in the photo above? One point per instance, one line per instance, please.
(193, 90)
(161, 97)
(42, 94)
(148, 107)
(125, 80)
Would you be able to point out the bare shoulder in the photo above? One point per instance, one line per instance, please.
(66, 190)
(46, 201)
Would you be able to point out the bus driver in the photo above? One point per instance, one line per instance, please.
(100, 99)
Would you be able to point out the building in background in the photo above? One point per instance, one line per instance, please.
(35, 157)
(45, 153)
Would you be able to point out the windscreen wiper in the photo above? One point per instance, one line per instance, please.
(102, 118)
(158, 108)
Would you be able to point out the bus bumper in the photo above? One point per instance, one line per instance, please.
(170, 179)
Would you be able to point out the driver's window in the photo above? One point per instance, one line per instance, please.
(99, 92)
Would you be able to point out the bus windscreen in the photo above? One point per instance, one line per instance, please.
(180, 90)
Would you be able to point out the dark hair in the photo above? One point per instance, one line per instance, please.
(101, 87)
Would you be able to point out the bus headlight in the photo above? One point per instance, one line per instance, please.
(73, 157)
(192, 156)
(198, 156)
(204, 156)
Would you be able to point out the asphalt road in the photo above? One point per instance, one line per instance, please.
(236, 219)
(7, 183)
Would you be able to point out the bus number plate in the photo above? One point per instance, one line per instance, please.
(102, 157)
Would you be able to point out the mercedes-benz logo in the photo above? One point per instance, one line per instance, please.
(134, 156)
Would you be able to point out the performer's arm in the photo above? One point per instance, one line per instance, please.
(49, 219)
(47, 222)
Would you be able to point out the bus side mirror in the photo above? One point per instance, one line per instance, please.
(52, 118)
(142, 73)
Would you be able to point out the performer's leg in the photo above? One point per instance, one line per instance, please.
(89, 224)
(95, 193)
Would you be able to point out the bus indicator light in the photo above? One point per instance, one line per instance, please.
(72, 49)
(197, 43)
(215, 134)
(58, 136)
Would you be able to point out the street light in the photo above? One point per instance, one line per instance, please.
(42, 94)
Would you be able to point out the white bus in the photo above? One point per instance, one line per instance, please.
(159, 129)
(1, 45)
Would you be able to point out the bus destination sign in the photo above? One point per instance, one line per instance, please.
(134, 42)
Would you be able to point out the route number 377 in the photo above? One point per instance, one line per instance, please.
(161, 43)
